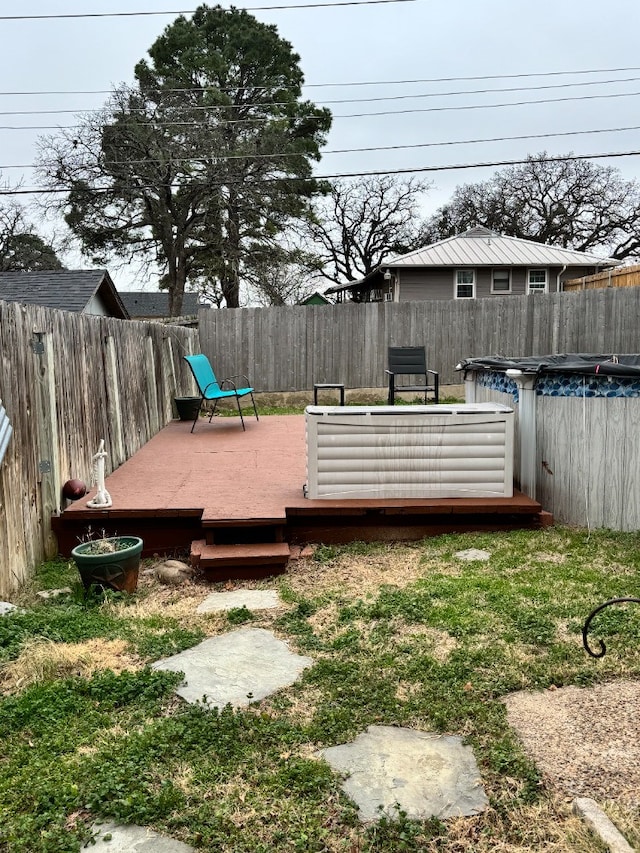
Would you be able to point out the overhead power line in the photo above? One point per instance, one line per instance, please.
(371, 173)
(457, 108)
(493, 163)
(368, 149)
(191, 11)
(345, 83)
(378, 98)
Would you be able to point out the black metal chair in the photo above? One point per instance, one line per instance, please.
(411, 362)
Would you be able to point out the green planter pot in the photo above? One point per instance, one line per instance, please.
(116, 570)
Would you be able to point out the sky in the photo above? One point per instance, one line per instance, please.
(579, 59)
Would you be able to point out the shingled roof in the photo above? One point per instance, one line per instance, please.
(66, 290)
(139, 303)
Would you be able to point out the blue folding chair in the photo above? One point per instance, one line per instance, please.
(212, 391)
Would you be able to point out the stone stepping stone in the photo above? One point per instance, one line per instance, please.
(240, 667)
(472, 554)
(425, 774)
(6, 607)
(252, 599)
(129, 838)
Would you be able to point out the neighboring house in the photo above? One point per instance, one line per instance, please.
(155, 305)
(82, 291)
(315, 298)
(478, 263)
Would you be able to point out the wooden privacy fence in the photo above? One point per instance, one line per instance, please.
(291, 348)
(67, 381)
(620, 277)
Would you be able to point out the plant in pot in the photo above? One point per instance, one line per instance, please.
(111, 562)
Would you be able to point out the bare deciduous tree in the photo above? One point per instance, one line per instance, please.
(572, 203)
(362, 222)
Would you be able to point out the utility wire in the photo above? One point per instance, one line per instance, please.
(343, 83)
(284, 154)
(458, 108)
(416, 170)
(191, 11)
(255, 104)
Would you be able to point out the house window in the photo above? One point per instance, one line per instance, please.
(501, 281)
(537, 281)
(465, 284)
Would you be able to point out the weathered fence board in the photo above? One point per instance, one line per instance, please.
(67, 381)
(288, 349)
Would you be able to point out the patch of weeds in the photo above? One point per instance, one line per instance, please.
(76, 622)
(239, 615)
(396, 831)
(326, 554)
(300, 777)
(48, 734)
(305, 608)
(65, 622)
(295, 622)
(154, 638)
(55, 574)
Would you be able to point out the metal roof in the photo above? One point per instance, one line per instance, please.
(482, 247)
(65, 290)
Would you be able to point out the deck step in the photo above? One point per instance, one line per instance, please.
(225, 562)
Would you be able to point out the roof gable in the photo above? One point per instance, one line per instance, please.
(64, 290)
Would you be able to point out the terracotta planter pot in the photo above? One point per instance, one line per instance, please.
(117, 570)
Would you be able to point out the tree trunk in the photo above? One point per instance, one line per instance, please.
(230, 281)
(177, 281)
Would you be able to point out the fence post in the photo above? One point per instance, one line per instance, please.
(169, 371)
(527, 427)
(154, 415)
(470, 386)
(114, 407)
(47, 439)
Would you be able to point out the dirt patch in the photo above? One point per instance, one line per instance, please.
(361, 575)
(584, 740)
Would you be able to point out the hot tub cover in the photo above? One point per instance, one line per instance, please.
(584, 363)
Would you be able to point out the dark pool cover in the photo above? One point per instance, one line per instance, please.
(584, 363)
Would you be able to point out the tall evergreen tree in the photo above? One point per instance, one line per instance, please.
(203, 162)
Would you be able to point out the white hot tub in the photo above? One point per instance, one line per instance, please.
(458, 451)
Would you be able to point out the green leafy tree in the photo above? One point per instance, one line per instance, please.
(200, 165)
(21, 249)
(572, 203)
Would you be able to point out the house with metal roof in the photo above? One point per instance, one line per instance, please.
(82, 291)
(154, 305)
(476, 264)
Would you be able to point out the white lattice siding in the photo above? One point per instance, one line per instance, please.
(410, 452)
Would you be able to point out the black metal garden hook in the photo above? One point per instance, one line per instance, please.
(585, 630)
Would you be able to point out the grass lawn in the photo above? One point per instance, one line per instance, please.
(402, 635)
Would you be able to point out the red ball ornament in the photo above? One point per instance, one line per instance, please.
(73, 490)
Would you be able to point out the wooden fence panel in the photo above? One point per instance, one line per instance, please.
(67, 381)
(290, 348)
(621, 277)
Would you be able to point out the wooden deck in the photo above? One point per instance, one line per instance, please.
(234, 501)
